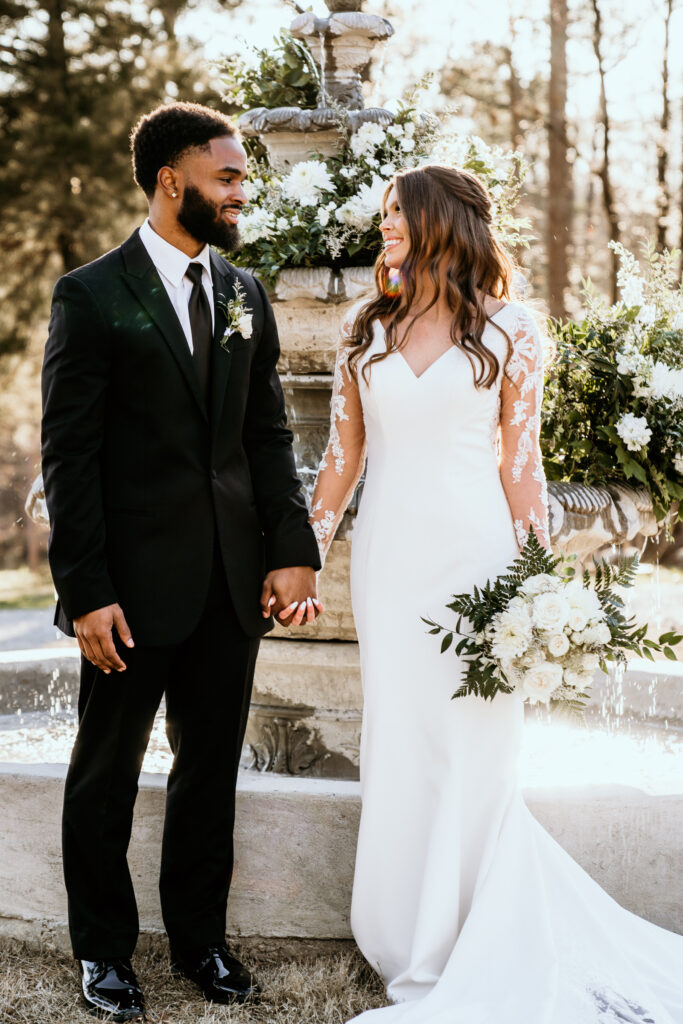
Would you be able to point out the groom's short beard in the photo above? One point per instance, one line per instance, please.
(202, 219)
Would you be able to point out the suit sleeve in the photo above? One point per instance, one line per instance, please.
(283, 514)
(74, 387)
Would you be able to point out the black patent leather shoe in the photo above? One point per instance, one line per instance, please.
(220, 976)
(111, 990)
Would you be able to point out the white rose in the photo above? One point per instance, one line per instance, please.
(550, 611)
(558, 644)
(577, 621)
(540, 682)
(323, 216)
(395, 130)
(582, 599)
(602, 633)
(539, 584)
(407, 145)
(244, 325)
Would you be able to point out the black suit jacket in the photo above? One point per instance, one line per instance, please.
(138, 470)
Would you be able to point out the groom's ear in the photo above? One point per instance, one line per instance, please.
(167, 180)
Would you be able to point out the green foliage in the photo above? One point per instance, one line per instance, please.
(617, 361)
(484, 676)
(283, 76)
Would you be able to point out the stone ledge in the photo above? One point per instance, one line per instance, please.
(295, 848)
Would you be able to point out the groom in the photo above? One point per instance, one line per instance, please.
(177, 528)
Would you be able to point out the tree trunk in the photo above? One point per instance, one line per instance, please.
(65, 238)
(514, 90)
(559, 179)
(604, 172)
(663, 197)
(680, 244)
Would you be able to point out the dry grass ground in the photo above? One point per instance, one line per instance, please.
(300, 986)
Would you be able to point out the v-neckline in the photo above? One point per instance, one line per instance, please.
(419, 376)
(416, 376)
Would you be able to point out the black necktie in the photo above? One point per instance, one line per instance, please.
(200, 323)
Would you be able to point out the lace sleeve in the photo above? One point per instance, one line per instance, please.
(521, 464)
(343, 460)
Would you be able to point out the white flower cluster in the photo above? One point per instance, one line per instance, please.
(306, 182)
(359, 211)
(653, 379)
(550, 638)
(255, 224)
(633, 431)
(367, 139)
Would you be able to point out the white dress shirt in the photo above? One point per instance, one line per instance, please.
(171, 264)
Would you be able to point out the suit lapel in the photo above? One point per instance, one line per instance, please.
(223, 292)
(146, 285)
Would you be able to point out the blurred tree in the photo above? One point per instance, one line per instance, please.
(663, 194)
(490, 88)
(558, 224)
(75, 75)
(507, 108)
(605, 170)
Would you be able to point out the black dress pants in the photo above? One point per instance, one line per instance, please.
(207, 680)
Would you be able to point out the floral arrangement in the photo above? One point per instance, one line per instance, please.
(542, 633)
(325, 211)
(238, 315)
(614, 396)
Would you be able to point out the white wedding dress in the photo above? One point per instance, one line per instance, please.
(468, 909)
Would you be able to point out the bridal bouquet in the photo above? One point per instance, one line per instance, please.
(542, 632)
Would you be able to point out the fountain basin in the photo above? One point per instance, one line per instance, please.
(612, 797)
(295, 845)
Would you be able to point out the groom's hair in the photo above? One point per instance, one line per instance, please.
(162, 136)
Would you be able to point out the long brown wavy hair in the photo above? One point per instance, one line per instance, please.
(448, 214)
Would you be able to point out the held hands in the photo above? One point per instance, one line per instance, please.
(291, 595)
(94, 634)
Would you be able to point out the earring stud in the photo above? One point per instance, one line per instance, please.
(174, 194)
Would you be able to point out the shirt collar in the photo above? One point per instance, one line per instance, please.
(168, 260)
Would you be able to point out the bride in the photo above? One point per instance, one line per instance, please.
(462, 902)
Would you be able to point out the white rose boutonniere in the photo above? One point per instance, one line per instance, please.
(238, 315)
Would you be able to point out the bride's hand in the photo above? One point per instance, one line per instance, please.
(291, 596)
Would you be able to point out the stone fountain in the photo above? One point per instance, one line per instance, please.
(306, 709)
(299, 797)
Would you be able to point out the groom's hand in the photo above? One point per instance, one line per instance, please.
(94, 634)
(291, 595)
